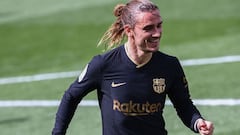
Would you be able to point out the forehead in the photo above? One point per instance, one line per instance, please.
(147, 18)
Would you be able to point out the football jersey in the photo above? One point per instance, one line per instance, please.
(131, 98)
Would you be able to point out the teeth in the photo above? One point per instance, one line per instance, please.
(152, 41)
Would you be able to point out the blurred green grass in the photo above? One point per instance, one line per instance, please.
(54, 36)
(66, 38)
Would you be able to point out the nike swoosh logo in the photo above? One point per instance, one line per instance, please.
(114, 85)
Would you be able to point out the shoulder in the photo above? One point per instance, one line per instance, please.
(114, 52)
(166, 61)
(108, 57)
(166, 58)
(169, 62)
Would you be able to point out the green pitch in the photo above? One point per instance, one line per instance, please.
(45, 36)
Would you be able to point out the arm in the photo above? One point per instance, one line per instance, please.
(180, 97)
(87, 81)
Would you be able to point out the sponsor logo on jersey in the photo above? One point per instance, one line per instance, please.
(114, 85)
(136, 109)
(159, 85)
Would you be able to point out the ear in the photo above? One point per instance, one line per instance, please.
(128, 30)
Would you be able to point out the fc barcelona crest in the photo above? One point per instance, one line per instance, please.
(159, 85)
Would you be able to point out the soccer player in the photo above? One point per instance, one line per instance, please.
(133, 79)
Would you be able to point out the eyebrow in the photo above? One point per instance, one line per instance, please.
(150, 25)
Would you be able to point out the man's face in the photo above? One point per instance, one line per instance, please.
(147, 31)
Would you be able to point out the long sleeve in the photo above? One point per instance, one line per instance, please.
(65, 113)
(180, 97)
(87, 81)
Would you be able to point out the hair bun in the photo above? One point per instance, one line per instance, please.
(119, 9)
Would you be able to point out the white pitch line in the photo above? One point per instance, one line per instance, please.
(41, 103)
(50, 76)
(206, 61)
(39, 77)
(87, 103)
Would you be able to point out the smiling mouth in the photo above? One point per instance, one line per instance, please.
(152, 41)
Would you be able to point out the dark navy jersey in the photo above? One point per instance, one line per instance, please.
(131, 98)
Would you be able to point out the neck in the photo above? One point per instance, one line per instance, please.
(137, 56)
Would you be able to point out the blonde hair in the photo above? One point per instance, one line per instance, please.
(125, 14)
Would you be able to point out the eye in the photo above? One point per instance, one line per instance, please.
(159, 25)
(148, 27)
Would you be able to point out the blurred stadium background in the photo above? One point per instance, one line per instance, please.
(44, 44)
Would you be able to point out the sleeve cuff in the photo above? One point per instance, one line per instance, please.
(195, 128)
